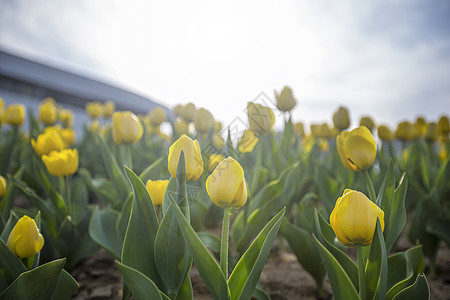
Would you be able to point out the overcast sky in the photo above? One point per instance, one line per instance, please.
(389, 59)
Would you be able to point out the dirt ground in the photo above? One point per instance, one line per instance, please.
(282, 278)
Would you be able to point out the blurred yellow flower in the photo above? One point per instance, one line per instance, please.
(384, 133)
(126, 128)
(405, 131)
(68, 136)
(2, 186)
(315, 130)
(431, 133)
(61, 163)
(341, 118)
(108, 108)
(368, 122)
(354, 218)
(217, 126)
(66, 118)
(49, 140)
(157, 116)
(420, 127)
(25, 240)
(188, 112)
(48, 112)
(178, 110)
(443, 126)
(218, 142)
(94, 110)
(299, 129)
(357, 148)
(247, 142)
(204, 121)
(192, 156)
(14, 114)
(214, 160)
(181, 127)
(226, 185)
(285, 100)
(323, 145)
(156, 190)
(260, 118)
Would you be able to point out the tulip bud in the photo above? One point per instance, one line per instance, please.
(204, 121)
(126, 128)
(157, 116)
(325, 131)
(285, 100)
(420, 127)
(47, 141)
(261, 118)
(214, 160)
(384, 133)
(2, 186)
(178, 110)
(108, 109)
(66, 118)
(226, 185)
(61, 163)
(357, 148)
(14, 114)
(188, 112)
(431, 133)
(48, 112)
(341, 118)
(368, 122)
(405, 131)
(192, 154)
(354, 218)
(94, 110)
(247, 142)
(156, 190)
(25, 240)
(443, 125)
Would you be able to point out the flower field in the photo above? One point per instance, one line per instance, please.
(297, 213)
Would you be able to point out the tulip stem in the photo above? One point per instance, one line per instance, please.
(224, 243)
(361, 272)
(67, 186)
(369, 184)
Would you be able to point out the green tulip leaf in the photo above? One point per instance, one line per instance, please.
(103, 188)
(9, 225)
(388, 183)
(398, 214)
(246, 273)
(418, 291)
(211, 241)
(185, 291)
(439, 226)
(153, 171)
(39, 283)
(302, 244)
(100, 229)
(67, 286)
(141, 231)
(10, 263)
(377, 266)
(141, 287)
(124, 217)
(206, 265)
(341, 285)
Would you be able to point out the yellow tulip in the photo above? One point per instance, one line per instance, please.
(94, 110)
(323, 145)
(25, 240)
(217, 126)
(357, 148)
(431, 133)
(181, 127)
(214, 160)
(384, 133)
(260, 118)
(226, 185)
(354, 218)
(126, 128)
(325, 131)
(405, 131)
(192, 156)
(299, 129)
(66, 118)
(68, 136)
(285, 100)
(218, 142)
(177, 110)
(61, 163)
(204, 121)
(157, 116)
(48, 112)
(156, 190)
(368, 122)
(2, 186)
(49, 140)
(14, 114)
(443, 125)
(315, 130)
(108, 108)
(341, 118)
(188, 112)
(247, 142)
(420, 127)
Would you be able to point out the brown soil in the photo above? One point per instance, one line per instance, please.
(282, 278)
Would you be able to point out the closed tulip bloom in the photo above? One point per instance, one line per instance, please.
(61, 163)
(420, 127)
(66, 118)
(25, 240)
(47, 141)
(285, 100)
(204, 121)
(108, 108)
(156, 190)
(2, 186)
(431, 133)
(405, 131)
(217, 126)
(214, 160)
(384, 133)
(192, 156)
(325, 131)
(14, 114)
(177, 110)
(354, 218)
(48, 113)
(247, 142)
(357, 148)
(157, 116)
(368, 122)
(68, 136)
(341, 118)
(226, 185)
(261, 118)
(188, 112)
(94, 110)
(443, 125)
(126, 128)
